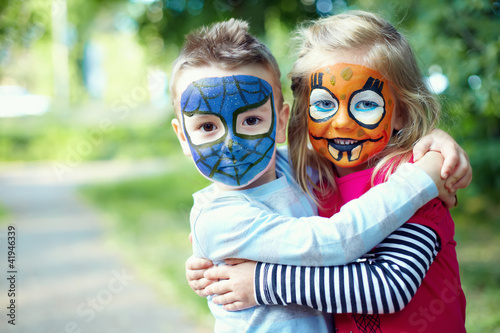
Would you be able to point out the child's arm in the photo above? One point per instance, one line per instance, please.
(358, 227)
(383, 282)
(456, 167)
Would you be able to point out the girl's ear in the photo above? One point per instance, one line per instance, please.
(398, 121)
(282, 122)
(182, 138)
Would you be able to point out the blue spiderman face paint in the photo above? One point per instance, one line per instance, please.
(230, 126)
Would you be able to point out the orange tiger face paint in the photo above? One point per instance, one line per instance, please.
(350, 113)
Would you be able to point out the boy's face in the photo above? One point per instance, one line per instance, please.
(350, 113)
(229, 124)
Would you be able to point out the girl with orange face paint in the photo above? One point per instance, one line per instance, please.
(359, 90)
(350, 113)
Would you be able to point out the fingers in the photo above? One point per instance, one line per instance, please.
(450, 200)
(236, 306)
(195, 268)
(463, 182)
(451, 159)
(218, 273)
(193, 263)
(231, 302)
(421, 147)
(194, 274)
(199, 286)
(456, 167)
(224, 299)
(461, 176)
(220, 288)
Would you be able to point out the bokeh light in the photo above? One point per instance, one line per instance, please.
(475, 82)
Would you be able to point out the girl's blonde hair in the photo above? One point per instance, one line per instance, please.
(382, 48)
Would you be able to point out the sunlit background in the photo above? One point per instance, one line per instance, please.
(85, 115)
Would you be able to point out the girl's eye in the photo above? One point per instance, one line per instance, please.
(322, 105)
(208, 127)
(325, 105)
(251, 121)
(366, 105)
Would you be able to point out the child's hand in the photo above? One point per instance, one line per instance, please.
(235, 289)
(195, 268)
(456, 168)
(431, 163)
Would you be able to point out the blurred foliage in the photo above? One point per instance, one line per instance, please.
(49, 139)
(165, 17)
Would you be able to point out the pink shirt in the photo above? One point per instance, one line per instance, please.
(439, 304)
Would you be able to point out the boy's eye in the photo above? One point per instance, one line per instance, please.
(208, 127)
(204, 128)
(251, 121)
(255, 121)
(366, 105)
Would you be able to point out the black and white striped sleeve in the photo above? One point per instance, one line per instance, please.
(384, 281)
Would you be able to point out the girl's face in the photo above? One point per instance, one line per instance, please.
(351, 114)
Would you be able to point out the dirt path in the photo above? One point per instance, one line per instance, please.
(66, 278)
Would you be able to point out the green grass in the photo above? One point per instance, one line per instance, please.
(149, 219)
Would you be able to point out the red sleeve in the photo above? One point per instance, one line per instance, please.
(436, 216)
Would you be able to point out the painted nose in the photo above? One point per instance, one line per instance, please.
(227, 148)
(231, 147)
(341, 120)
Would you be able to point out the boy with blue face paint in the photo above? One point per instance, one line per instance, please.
(230, 116)
(239, 153)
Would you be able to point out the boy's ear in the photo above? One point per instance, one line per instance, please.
(282, 122)
(180, 135)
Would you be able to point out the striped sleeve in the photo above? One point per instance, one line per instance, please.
(384, 281)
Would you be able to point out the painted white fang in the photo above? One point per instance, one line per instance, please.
(334, 152)
(356, 152)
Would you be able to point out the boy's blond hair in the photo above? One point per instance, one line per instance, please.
(226, 45)
(383, 49)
